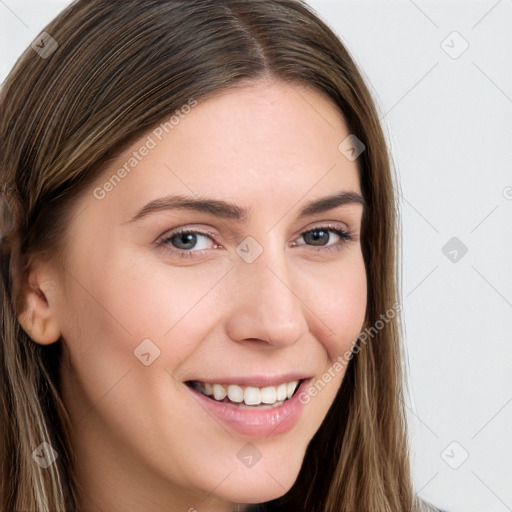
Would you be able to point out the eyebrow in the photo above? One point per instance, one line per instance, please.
(229, 210)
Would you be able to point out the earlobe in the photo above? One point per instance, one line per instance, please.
(38, 318)
(41, 330)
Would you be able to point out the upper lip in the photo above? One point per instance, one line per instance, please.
(255, 380)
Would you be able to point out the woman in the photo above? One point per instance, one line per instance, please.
(200, 308)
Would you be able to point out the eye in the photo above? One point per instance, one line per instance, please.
(183, 241)
(321, 236)
(188, 243)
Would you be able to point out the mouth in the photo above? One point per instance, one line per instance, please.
(247, 397)
(253, 406)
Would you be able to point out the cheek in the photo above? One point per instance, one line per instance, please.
(338, 296)
(341, 305)
(173, 306)
(126, 300)
(114, 302)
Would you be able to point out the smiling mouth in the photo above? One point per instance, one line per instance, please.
(265, 397)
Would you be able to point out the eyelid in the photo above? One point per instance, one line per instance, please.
(197, 230)
(237, 237)
(341, 229)
(334, 224)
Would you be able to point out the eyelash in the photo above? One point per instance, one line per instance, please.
(346, 237)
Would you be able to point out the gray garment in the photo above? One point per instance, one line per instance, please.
(261, 508)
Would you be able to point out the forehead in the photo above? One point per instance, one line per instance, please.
(252, 144)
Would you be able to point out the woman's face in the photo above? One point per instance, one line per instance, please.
(255, 300)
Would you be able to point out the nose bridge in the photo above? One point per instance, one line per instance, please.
(270, 307)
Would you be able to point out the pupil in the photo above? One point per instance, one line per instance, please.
(186, 238)
(317, 235)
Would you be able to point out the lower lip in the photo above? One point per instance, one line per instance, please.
(256, 422)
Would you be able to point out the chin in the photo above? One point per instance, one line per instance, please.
(257, 485)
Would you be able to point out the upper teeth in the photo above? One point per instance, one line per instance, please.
(250, 395)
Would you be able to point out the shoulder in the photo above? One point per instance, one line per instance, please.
(425, 506)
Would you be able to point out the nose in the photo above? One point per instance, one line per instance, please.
(266, 306)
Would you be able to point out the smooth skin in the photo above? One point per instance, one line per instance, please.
(143, 443)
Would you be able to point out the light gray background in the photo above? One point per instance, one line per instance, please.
(448, 120)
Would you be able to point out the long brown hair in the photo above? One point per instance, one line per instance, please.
(116, 70)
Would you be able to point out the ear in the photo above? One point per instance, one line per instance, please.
(38, 316)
